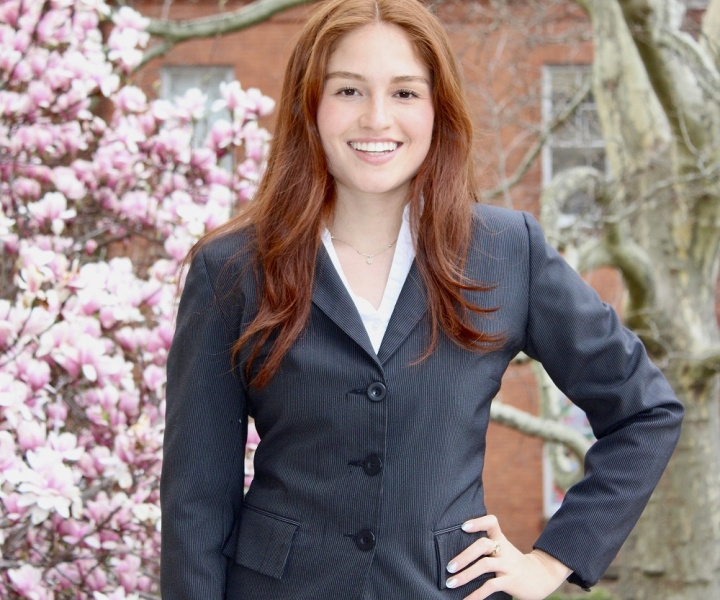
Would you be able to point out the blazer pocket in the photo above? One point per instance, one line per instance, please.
(264, 541)
(450, 542)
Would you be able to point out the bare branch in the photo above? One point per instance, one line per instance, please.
(675, 86)
(710, 37)
(565, 184)
(174, 32)
(633, 263)
(705, 364)
(155, 51)
(545, 429)
(530, 156)
(616, 248)
(694, 56)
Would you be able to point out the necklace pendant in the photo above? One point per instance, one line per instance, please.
(369, 260)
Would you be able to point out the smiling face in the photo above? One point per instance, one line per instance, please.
(375, 116)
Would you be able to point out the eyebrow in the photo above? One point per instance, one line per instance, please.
(358, 77)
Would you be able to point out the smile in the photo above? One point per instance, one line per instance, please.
(374, 148)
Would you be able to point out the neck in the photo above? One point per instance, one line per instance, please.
(366, 223)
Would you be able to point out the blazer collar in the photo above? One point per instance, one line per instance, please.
(330, 295)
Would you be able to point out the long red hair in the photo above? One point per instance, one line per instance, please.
(296, 195)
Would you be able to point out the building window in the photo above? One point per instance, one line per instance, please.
(175, 81)
(577, 142)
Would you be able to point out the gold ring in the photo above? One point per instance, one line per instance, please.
(496, 548)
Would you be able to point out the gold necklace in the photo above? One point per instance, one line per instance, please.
(368, 257)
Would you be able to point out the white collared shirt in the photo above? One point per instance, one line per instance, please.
(376, 320)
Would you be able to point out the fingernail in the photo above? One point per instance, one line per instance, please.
(451, 583)
(452, 567)
(466, 526)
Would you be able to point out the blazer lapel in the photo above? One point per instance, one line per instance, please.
(409, 309)
(331, 297)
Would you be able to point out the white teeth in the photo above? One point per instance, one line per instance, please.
(374, 146)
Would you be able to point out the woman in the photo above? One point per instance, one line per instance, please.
(363, 310)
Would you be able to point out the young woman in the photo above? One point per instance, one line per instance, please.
(363, 310)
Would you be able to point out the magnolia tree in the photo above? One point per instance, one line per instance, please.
(84, 329)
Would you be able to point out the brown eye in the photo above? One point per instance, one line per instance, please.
(406, 94)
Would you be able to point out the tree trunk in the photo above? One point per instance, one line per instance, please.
(653, 85)
(673, 553)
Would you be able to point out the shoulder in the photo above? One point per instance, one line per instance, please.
(226, 266)
(503, 232)
(232, 248)
(226, 258)
(498, 220)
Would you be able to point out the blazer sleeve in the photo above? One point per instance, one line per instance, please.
(604, 369)
(202, 479)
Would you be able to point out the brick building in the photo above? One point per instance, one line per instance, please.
(521, 61)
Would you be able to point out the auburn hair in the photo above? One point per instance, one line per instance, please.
(295, 197)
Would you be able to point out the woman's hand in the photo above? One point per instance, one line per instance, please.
(531, 576)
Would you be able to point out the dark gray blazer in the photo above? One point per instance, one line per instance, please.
(369, 464)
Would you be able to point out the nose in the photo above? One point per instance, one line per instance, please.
(377, 114)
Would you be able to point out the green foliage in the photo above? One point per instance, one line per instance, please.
(596, 594)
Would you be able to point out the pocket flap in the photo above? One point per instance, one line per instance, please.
(449, 543)
(264, 541)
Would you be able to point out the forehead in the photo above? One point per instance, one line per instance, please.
(377, 50)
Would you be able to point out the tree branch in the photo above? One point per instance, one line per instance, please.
(545, 429)
(616, 248)
(530, 156)
(710, 34)
(675, 87)
(564, 185)
(174, 32)
(704, 365)
(633, 263)
(691, 53)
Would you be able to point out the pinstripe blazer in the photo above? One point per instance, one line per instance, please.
(369, 463)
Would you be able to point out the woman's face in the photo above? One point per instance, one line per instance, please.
(375, 116)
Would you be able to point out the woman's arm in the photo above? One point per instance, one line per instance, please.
(603, 368)
(202, 478)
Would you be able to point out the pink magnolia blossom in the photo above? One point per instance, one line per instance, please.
(220, 136)
(191, 106)
(127, 18)
(259, 103)
(86, 338)
(26, 188)
(8, 458)
(48, 486)
(40, 94)
(52, 208)
(28, 582)
(31, 434)
(96, 580)
(130, 99)
(67, 183)
(14, 511)
(154, 378)
(118, 594)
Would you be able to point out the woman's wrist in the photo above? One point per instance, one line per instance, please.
(556, 569)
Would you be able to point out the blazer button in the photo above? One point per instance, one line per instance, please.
(376, 391)
(365, 540)
(372, 464)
